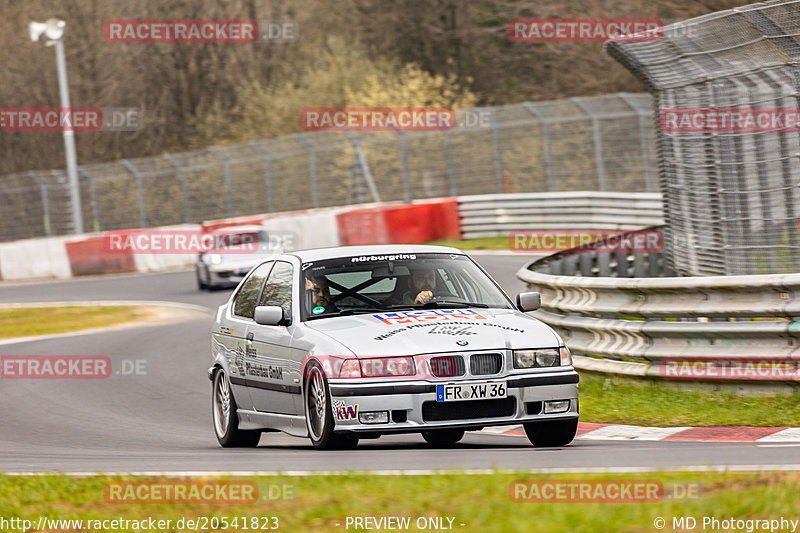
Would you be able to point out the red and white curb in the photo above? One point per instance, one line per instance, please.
(587, 430)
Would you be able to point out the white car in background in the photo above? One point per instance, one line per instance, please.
(240, 248)
(330, 344)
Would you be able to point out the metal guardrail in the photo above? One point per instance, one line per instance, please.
(490, 215)
(658, 319)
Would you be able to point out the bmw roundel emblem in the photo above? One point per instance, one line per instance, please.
(462, 342)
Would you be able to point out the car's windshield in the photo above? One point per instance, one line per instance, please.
(379, 283)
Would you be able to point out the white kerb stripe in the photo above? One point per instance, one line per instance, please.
(786, 435)
(631, 433)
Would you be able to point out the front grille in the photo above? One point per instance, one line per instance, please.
(469, 409)
(447, 366)
(483, 364)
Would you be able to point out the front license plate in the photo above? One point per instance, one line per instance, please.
(242, 271)
(484, 390)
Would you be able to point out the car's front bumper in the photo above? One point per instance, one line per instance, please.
(412, 405)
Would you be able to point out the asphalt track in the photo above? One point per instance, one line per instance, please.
(160, 421)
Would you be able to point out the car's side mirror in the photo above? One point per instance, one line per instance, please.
(268, 315)
(529, 301)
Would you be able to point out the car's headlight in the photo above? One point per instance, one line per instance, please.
(524, 358)
(541, 358)
(214, 259)
(387, 366)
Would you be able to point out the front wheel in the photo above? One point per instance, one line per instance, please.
(443, 437)
(226, 422)
(551, 433)
(319, 414)
(201, 285)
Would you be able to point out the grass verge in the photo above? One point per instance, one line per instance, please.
(27, 321)
(623, 400)
(480, 502)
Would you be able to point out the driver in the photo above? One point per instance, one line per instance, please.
(423, 284)
(320, 295)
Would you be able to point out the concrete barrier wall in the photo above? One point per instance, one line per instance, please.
(34, 258)
(423, 221)
(377, 223)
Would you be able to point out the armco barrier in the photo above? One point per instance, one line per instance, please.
(696, 319)
(490, 215)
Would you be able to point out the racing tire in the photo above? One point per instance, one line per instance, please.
(223, 414)
(443, 437)
(319, 414)
(551, 434)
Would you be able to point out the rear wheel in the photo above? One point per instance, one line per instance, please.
(549, 434)
(226, 422)
(443, 437)
(319, 414)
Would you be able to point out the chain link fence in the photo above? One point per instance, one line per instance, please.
(603, 143)
(731, 197)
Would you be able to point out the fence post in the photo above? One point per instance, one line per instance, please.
(598, 144)
(451, 163)
(404, 157)
(45, 201)
(644, 132)
(187, 213)
(312, 165)
(364, 166)
(268, 171)
(548, 144)
(93, 195)
(226, 166)
(498, 153)
(140, 186)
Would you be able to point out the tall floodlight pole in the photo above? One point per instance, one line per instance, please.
(53, 29)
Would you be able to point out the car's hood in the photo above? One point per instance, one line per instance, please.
(436, 331)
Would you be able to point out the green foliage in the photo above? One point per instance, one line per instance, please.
(621, 400)
(480, 502)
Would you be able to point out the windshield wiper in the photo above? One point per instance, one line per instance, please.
(439, 303)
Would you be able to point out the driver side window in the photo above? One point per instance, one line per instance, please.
(278, 290)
